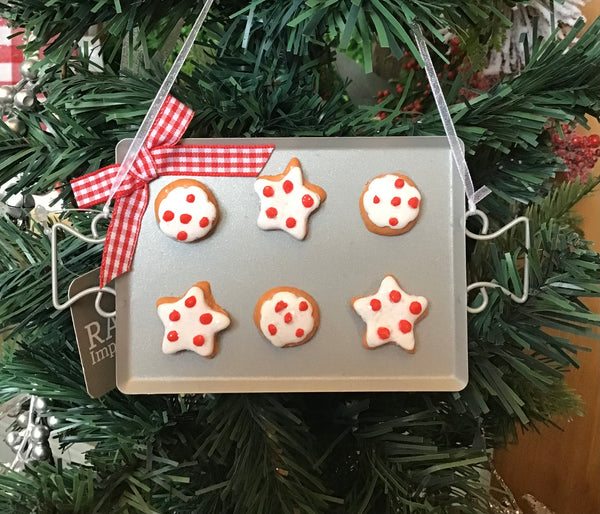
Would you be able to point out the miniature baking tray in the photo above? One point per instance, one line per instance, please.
(339, 259)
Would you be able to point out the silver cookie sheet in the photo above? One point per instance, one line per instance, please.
(339, 259)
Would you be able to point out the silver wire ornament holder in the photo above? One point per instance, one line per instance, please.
(473, 196)
(95, 239)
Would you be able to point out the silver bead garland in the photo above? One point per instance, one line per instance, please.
(29, 437)
(21, 96)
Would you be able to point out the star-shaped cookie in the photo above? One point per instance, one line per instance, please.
(287, 200)
(192, 321)
(390, 315)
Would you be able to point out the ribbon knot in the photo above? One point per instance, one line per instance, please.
(161, 155)
(144, 167)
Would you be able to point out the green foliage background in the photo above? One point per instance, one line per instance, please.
(296, 453)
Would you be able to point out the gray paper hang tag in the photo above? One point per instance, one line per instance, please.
(95, 334)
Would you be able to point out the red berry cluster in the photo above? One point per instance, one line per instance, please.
(479, 82)
(579, 153)
(381, 95)
(420, 91)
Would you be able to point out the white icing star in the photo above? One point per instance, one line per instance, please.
(390, 315)
(190, 324)
(286, 202)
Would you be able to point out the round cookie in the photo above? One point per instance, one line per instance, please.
(192, 321)
(286, 316)
(186, 210)
(390, 204)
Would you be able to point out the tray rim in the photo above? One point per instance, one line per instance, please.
(447, 383)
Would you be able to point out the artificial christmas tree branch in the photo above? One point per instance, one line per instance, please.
(336, 453)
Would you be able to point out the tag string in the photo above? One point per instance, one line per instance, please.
(455, 144)
(146, 126)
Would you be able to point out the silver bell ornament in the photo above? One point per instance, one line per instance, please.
(52, 421)
(40, 433)
(13, 439)
(40, 405)
(7, 95)
(23, 419)
(24, 100)
(40, 452)
(16, 125)
(25, 68)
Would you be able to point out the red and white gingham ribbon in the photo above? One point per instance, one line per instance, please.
(159, 156)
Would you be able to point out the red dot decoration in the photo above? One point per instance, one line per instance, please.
(299, 332)
(393, 221)
(272, 329)
(271, 212)
(185, 218)
(405, 326)
(204, 222)
(396, 201)
(399, 183)
(415, 308)
(190, 302)
(303, 306)
(182, 236)
(206, 318)
(174, 316)
(288, 317)
(376, 199)
(383, 332)
(198, 340)
(375, 304)
(414, 202)
(288, 187)
(395, 296)
(280, 305)
(173, 336)
(290, 223)
(268, 191)
(308, 201)
(190, 198)
(168, 215)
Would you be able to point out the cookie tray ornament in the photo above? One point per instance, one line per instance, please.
(339, 260)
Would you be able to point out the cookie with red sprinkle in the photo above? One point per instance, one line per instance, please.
(186, 210)
(287, 201)
(286, 316)
(192, 321)
(390, 204)
(390, 315)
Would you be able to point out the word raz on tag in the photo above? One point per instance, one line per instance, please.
(96, 335)
(101, 340)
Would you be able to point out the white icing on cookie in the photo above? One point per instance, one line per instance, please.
(286, 204)
(286, 318)
(190, 324)
(390, 201)
(390, 315)
(187, 214)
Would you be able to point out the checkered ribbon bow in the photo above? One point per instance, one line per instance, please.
(158, 157)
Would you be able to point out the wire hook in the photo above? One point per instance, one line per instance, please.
(484, 236)
(54, 267)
